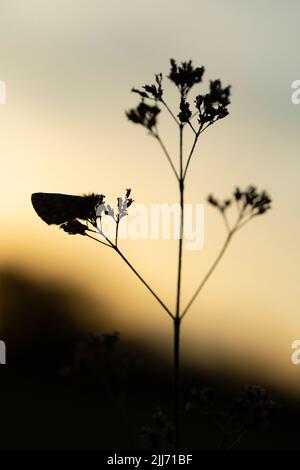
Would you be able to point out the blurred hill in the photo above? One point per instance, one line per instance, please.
(65, 386)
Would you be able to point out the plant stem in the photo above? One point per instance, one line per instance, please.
(177, 322)
(111, 245)
(96, 240)
(191, 154)
(237, 440)
(180, 248)
(177, 319)
(167, 155)
(143, 281)
(192, 127)
(209, 273)
(181, 191)
(169, 110)
(117, 229)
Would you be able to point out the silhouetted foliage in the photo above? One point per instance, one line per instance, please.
(185, 76)
(160, 433)
(144, 114)
(209, 107)
(152, 91)
(249, 203)
(253, 407)
(213, 105)
(250, 410)
(185, 112)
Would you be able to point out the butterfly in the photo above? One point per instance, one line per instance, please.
(54, 208)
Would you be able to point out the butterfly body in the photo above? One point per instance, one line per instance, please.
(55, 208)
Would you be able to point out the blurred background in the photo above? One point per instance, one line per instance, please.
(69, 66)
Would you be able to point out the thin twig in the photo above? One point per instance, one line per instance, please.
(97, 240)
(143, 281)
(111, 245)
(226, 221)
(101, 233)
(238, 207)
(169, 110)
(204, 128)
(156, 135)
(191, 154)
(209, 273)
(192, 127)
(117, 229)
(235, 442)
(194, 115)
(245, 222)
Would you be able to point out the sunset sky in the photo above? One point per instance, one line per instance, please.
(69, 66)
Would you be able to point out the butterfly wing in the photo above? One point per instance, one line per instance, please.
(55, 208)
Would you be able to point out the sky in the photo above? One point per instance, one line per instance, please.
(69, 67)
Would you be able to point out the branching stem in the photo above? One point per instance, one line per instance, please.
(209, 273)
(156, 135)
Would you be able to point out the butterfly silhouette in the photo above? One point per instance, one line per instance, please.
(54, 208)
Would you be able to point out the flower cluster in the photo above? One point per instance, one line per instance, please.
(258, 203)
(202, 400)
(185, 76)
(93, 355)
(144, 114)
(185, 112)
(250, 203)
(122, 205)
(160, 433)
(253, 407)
(213, 105)
(209, 107)
(222, 206)
(153, 91)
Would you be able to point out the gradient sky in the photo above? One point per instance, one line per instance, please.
(69, 66)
